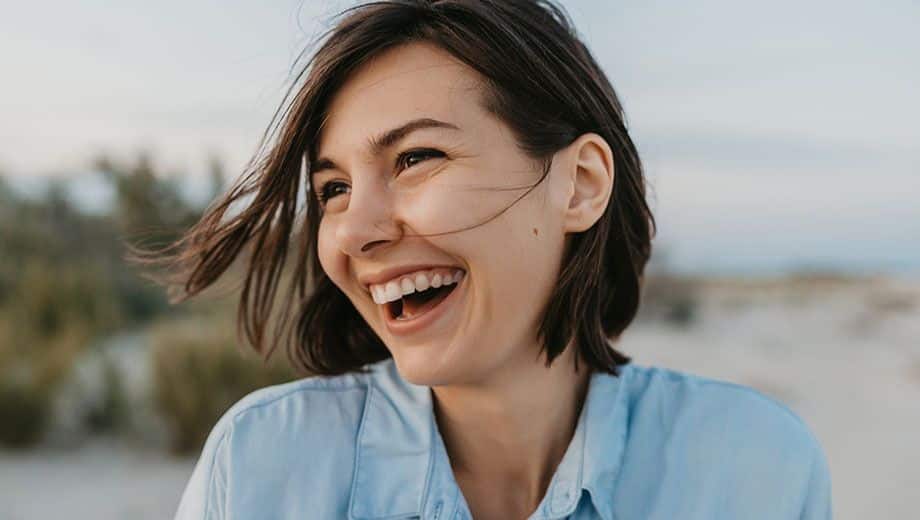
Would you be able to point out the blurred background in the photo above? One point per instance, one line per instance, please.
(780, 144)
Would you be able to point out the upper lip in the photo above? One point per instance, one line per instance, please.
(392, 272)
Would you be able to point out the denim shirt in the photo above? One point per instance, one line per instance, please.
(650, 443)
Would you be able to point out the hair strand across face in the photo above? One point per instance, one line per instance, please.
(541, 81)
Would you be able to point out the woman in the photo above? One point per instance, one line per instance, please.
(475, 236)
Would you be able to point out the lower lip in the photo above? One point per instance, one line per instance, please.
(406, 327)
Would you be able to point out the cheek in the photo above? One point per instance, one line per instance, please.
(459, 200)
(328, 254)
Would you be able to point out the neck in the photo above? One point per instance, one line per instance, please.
(512, 430)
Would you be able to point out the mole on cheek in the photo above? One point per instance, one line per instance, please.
(535, 232)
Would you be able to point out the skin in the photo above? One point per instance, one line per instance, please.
(506, 419)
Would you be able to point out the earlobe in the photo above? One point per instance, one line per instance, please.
(592, 176)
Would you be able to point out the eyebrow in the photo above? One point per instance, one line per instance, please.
(387, 139)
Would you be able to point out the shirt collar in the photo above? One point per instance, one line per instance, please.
(400, 461)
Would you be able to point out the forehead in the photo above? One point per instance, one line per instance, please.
(416, 80)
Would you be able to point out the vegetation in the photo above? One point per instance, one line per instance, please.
(200, 371)
(64, 285)
(24, 412)
(669, 297)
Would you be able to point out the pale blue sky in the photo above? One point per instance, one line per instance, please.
(775, 134)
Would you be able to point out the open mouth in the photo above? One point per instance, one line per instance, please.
(416, 304)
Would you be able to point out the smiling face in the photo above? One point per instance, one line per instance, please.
(408, 149)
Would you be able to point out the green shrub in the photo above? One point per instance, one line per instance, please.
(31, 370)
(681, 312)
(25, 410)
(199, 371)
(672, 299)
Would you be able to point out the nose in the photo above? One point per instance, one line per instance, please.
(368, 221)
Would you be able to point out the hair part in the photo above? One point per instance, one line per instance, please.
(540, 79)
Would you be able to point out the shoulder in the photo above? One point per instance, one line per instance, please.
(693, 405)
(298, 432)
(315, 409)
(292, 400)
(725, 435)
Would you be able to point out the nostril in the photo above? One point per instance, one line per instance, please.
(366, 247)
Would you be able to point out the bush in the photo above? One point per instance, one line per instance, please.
(31, 370)
(672, 299)
(25, 411)
(200, 371)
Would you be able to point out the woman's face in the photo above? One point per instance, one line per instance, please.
(464, 168)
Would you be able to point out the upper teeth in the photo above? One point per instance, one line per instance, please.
(417, 281)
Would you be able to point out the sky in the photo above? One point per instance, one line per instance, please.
(776, 136)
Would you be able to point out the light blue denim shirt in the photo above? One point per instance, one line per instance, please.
(649, 444)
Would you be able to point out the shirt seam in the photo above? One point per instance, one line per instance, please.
(261, 403)
(357, 460)
(211, 472)
(621, 398)
(427, 491)
(237, 416)
(808, 487)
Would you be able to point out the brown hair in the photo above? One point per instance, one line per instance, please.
(541, 80)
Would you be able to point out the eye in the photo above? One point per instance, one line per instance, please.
(412, 157)
(328, 191)
(408, 159)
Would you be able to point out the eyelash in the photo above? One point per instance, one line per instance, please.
(426, 153)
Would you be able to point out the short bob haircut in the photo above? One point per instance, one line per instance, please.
(540, 79)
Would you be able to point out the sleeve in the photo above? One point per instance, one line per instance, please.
(204, 497)
(817, 503)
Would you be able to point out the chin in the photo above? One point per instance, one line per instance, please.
(419, 368)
